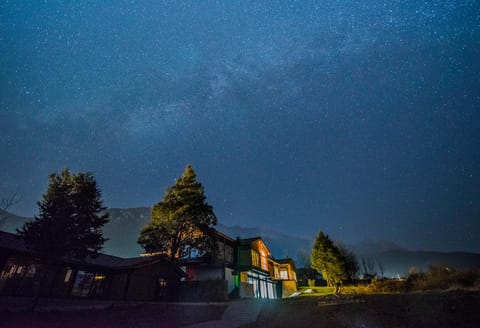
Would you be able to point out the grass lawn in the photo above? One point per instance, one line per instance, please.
(322, 291)
(316, 291)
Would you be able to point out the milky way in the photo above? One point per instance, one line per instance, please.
(355, 118)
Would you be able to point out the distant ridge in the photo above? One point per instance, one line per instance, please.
(125, 224)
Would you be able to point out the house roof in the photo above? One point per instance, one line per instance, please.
(249, 241)
(223, 236)
(115, 262)
(12, 242)
(287, 261)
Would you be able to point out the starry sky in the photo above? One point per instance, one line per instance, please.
(358, 118)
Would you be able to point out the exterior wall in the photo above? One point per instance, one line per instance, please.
(246, 290)
(230, 278)
(144, 283)
(61, 285)
(288, 287)
(118, 286)
(17, 275)
(206, 291)
(142, 286)
(204, 272)
(224, 254)
(244, 257)
(273, 269)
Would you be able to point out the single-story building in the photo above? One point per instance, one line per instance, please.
(22, 272)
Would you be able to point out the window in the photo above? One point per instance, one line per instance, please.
(68, 275)
(264, 261)
(255, 259)
(162, 288)
(284, 274)
(275, 270)
(31, 271)
(82, 284)
(98, 284)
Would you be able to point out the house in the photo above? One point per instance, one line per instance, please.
(103, 277)
(210, 278)
(259, 274)
(238, 268)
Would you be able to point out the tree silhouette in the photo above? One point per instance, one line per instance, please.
(182, 224)
(70, 220)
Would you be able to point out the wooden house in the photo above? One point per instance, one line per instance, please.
(24, 273)
(259, 274)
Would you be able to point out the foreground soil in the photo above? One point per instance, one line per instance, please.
(145, 315)
(437, 310)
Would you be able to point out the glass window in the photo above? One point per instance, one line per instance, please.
(31, 271)
(83, 283)
(98, 284)
(255, 259)
(264, 261)
(68, 275)
(284, 274)
(277, 274)
(162, 288)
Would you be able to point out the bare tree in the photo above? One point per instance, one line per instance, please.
(368, 266)
(381, 268)
(5, 204)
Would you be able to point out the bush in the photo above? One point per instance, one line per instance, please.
(387, 286)
(443, 278)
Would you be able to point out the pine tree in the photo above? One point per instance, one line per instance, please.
(328, 259)
(70, 220)
(182, 224)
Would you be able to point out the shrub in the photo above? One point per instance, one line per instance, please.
(443, 278)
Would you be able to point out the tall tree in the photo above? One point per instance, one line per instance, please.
(182, 224)
(70, 220)
(328, 259)
(350, 260)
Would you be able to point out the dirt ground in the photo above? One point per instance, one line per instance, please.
(438, 310)
(146, 315)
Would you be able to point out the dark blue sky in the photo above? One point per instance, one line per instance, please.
(358, 118)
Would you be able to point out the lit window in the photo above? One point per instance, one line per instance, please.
(264, 261)
(20, 269)
(68, 275)
(277, 274)
(283, 274)
(255, 259)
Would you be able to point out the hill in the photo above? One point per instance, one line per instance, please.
(125, 224)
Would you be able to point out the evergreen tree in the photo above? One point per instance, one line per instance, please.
(327, 259)
(182, 224)
(350, 260)
(70, 220)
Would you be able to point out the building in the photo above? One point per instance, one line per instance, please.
(243, 268)
(23, 273)
(210, 278)
(237, 268)
(259, 274)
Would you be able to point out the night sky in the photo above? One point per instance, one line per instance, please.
(359, 118)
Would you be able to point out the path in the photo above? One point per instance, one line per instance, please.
(237, 314)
